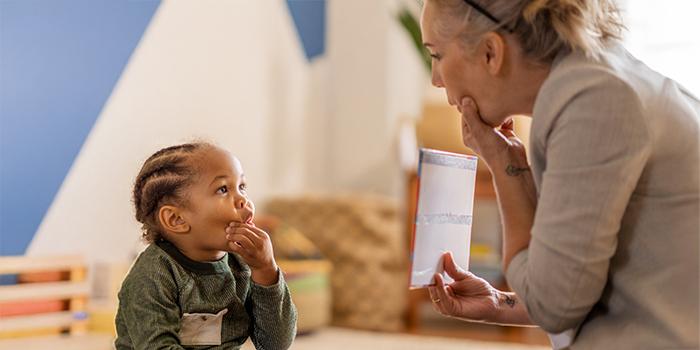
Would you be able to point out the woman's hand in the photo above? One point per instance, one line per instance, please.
(255, 248)
(489, 142)
(468, 297)
(516, 192)
(472, 298)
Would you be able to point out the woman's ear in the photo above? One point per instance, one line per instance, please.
(172, 220)
(493, 52)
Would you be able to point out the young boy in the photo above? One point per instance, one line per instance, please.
(197, 284)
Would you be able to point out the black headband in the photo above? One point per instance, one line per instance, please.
(483, 11)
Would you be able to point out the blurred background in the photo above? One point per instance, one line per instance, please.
(325, 102)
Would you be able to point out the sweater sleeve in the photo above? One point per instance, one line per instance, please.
(595, 153)
(274, 317)
(148, 311)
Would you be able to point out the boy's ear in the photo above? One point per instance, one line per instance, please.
(172, 220)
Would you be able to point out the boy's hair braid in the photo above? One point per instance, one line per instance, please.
(161, 180)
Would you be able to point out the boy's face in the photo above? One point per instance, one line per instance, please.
(216, 198)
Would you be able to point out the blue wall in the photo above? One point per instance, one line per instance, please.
(59, 61)
(310, 20)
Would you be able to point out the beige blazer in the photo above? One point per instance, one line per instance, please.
(614, 251)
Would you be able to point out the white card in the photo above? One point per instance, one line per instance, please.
(443, 214)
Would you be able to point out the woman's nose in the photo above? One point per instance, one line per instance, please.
(435, 79)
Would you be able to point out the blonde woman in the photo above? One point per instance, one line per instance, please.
(601, 228)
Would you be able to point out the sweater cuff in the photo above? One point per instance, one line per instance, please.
(273, 289)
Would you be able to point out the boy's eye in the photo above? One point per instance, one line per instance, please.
(242, 187)
(435, 56)
(222, 190)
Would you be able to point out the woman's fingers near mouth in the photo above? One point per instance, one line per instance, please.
(508, 124)
(467, 102)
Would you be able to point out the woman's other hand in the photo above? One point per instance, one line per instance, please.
(468, 297)
(472, 298)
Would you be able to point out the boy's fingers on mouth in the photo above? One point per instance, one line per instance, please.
(252, 235)
(235, 247)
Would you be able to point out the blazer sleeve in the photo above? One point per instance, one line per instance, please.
(595, 150)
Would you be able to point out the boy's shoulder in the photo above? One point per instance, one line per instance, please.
(153, 263)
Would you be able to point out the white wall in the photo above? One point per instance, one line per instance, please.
(376, 78)
(229, 71)
(664, 34)
(234, 72)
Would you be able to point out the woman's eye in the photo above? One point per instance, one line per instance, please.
(435, 56)
(222, 190)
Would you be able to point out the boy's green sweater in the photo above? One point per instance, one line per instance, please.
(163, 285)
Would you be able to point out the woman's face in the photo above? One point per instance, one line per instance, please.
(461, 72)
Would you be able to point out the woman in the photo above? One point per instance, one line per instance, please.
(601, 229)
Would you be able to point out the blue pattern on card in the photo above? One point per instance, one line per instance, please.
(449, 160)
(437, 219)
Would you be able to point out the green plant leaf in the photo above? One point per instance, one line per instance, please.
(410, 24)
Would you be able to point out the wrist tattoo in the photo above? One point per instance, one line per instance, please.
(512, 170)
(510, 301)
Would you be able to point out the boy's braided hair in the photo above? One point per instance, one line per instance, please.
(162, 179)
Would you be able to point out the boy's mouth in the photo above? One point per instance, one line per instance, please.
(248, 218)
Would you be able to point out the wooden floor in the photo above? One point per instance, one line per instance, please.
(329, 338)
(514, 335)
(434, 331)
(433, 324)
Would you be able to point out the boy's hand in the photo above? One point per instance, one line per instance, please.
(255, 248)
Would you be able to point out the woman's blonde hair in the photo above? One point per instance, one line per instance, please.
(542, 27)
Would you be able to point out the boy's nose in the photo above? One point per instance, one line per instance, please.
(241, 202)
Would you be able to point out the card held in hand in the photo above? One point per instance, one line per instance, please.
(443, 214)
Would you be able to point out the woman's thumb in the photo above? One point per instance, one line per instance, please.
(452, 269)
